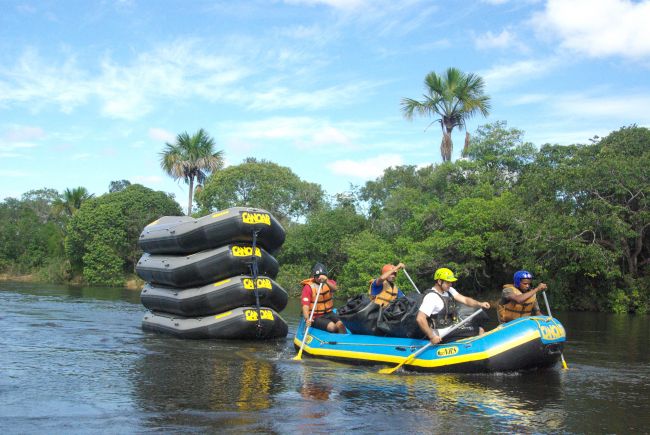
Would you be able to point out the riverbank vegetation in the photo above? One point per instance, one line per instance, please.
(576, 216)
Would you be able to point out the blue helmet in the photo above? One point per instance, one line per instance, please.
(521, 274)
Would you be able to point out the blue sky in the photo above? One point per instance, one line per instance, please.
(90, 91)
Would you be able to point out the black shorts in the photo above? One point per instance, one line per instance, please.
(324, 320)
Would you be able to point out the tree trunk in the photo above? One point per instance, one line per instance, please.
(466, 146)
(446, 146)
(189, 201)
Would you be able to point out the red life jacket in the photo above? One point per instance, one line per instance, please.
(324, 303)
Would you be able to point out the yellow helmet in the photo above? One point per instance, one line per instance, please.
(444, 274)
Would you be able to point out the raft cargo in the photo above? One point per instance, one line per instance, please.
(185, 234)
(229, 293)
(184, 271)
(238, 323)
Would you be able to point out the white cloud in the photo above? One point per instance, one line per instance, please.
(180, 70)
(624, 108)
(299, 132)
(523, 99)
(285, 98)
(336, 4)
(147, 179)
(33, 80)
(365, 169)
(329, 135)
(489, 40)
(23, 133)
(162, 135)
(511, 74)
(598, 28)
(10, 146)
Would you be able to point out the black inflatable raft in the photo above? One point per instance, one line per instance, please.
(185, 234)
(204, 267)
(238, 323)
(214, 298)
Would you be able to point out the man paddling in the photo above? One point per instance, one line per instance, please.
(518, 299)
(439, 308)
(317, 297)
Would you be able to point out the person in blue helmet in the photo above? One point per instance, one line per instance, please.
(518, 299)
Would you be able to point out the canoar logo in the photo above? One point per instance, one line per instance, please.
(255, 218)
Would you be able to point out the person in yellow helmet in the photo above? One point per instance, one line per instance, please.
(438, 310)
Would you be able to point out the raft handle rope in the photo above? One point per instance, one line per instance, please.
(255, 273)
(342, 343)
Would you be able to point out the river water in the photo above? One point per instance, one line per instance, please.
(76, 361)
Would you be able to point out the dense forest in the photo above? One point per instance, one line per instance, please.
(576, 216)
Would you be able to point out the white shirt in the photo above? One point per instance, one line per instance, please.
(432, 304)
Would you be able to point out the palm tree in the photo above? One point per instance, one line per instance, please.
(71, 201)
(453, 97)
(191, 158)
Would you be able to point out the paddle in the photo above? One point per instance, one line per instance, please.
(408, 359)
(414, 286)
(311, 316)
(548, 308)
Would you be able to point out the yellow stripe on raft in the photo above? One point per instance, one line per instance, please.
(477, 356)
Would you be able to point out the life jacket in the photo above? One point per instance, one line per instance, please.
(386, 296)
(508, 309)
(448, 315)
(324, 303)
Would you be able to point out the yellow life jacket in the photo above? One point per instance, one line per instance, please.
(324, 303)
(386, 295)
(508, 310)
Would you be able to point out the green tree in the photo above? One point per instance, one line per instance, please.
(191, 158)
(590, 217)
(71, 201)
(261, 184)
(501, 154)
(116, 186)
(321, 238)
(366, 252)
(26, 242)
(453, 97)
(103, 235)
(42, 202)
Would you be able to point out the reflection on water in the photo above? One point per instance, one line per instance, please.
(76, 361)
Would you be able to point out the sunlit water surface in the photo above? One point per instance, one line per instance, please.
(76, 361)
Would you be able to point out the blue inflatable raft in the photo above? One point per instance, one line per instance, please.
(523, 344)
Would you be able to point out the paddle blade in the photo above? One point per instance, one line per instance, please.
(564, 365)
(298, 357)
(389, 370)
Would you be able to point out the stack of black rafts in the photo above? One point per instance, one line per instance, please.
(212, 277)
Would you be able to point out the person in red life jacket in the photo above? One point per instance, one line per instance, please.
(324, 316)
(518, 299)
(383, 290)
(438, 310)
